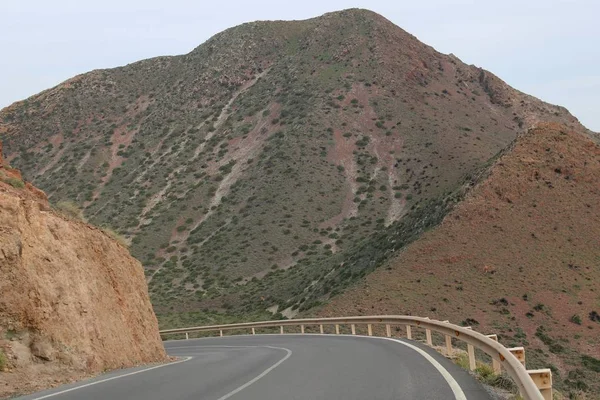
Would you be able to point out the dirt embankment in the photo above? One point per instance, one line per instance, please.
(73, 301)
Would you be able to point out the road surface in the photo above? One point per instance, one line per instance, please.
(286, 367)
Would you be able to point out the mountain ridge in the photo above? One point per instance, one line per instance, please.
(213, 164)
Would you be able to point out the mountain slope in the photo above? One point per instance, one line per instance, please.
(519, 257)
(73, 303)
(245, 172)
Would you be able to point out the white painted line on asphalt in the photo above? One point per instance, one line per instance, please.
(265, 372)
(456, 389)
(110, 379)
(454, 386)
(250, 382)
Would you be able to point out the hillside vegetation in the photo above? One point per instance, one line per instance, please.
(249, 173)
(519, 257)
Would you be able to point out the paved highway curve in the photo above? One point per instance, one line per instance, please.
(285, 367)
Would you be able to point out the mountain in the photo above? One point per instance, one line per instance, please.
(74, 302)
(518, 257)
(274, 164)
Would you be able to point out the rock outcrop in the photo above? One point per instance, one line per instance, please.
(73, 301)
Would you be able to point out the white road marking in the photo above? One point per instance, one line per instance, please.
(454, 386)
(456, 389)
(254, 380)
(265, 372)
(110, 379)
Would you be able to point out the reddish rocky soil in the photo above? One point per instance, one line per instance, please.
(73, 303)
(521, 252)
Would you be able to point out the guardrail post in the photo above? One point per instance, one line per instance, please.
(301, 328)
(253, 331)
(428, 337)
(495, 363)
(353, 327)
(337, 329)
(408, 332)
(321, 329)
(187, 336)
(543, 380)
(448, 339)
(471, 353)
(518, 352)
(281, 329)
(370, 329)
(221, 332)
(388, 330)
(449, 345)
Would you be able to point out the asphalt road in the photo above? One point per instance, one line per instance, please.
(287, 367)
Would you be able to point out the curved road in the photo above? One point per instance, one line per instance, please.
(286, 367)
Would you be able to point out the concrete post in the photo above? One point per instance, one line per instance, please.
(448, 345)
(337, 329)
(408, 332)
(388, 330)
(428, 336)
(471, 352)
(370, 329)
(495, 363)
(353, 327)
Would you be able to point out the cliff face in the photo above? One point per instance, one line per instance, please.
(73, 301)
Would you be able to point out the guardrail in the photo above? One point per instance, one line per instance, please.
(532, 384)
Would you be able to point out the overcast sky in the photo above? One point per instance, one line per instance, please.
(547, 48)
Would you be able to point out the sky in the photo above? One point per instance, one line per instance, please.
(546, 48)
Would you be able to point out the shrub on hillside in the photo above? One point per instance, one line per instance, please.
(115, 236)
(70, 209)
(3, 360)
(15, 182)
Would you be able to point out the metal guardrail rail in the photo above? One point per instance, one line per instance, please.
(532, 384)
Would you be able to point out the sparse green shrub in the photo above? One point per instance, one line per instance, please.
(15, 182)
(591, 363)
(3, 360)
(115, 236)
(462, 360)
(70, 209)
(576, 319)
